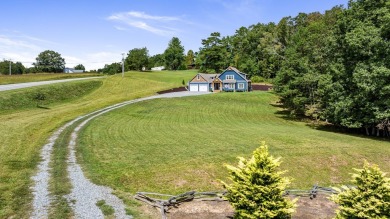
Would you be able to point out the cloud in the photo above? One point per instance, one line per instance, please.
(155, 24)
(10, 43)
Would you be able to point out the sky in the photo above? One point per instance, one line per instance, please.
(97, 32)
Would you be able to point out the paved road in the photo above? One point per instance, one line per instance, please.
(38, 83)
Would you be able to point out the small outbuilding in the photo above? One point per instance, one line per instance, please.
(229, 80)
(72, 70)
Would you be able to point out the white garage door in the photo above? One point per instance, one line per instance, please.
(194, 87)
(202, 87)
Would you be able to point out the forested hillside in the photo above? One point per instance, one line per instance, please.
(333, 66)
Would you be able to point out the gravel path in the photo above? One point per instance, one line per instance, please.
(39, 83)
(84, 193)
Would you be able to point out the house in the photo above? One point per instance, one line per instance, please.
(72, 70)
(229, 80)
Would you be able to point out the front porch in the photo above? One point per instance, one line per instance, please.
(216, 85)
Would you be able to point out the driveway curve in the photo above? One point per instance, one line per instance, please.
(39, 83)
(84, 194)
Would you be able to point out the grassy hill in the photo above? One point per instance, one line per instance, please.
(14, 79)
(25, 130)
(177, 145)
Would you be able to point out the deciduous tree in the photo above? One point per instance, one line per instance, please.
(50, 61)
(79, 67)
(137, 59)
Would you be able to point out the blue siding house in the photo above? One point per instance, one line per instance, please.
(229, 80)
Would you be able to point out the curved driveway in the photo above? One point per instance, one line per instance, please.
(84, 194)
(39, 83)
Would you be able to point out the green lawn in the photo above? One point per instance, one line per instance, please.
(177, 145)
(25, 130)
(14, 79)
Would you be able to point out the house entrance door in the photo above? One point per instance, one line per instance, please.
(217, 86)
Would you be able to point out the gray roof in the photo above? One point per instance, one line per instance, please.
(209, 77)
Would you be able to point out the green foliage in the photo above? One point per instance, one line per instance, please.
(257, 187)
(156, 61)
(79, 67)
(369, 199)
(257, 79)
(49, 61)
(16, 68)
(190, 58)
(112, 68)
(212, 53)
(137, 59)
(174, 55)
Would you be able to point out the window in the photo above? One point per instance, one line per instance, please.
(229, 77)
(241, 86)
(231, 86)
(197, 77)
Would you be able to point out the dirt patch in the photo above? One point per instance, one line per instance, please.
(261, 87)
(202, 209)
(319, 208)
(177, 89)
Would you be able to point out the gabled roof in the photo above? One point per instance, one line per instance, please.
(243, 75)
(210, 77)
(207, 77)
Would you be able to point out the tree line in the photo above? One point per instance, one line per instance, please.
(332, 66)
(47, 61)
(138, 59)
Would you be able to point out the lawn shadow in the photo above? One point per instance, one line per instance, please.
(358, 133)
(43, 107)
(284, 113)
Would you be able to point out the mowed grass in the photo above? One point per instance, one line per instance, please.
(14, 79)
(25, 131)
(177, 145)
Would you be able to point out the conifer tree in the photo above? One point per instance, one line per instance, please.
(257, 187)
(369, 199)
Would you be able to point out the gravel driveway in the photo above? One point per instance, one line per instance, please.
(84, 194)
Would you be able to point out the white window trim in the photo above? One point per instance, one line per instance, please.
(229, 77)
(241, 86)
(231, 86)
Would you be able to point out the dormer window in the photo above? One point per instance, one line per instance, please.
(229, 77)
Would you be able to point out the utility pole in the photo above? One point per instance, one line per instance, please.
(123, 65)
(10, 67)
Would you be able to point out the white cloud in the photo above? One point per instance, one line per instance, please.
(10, 43)
(142, 15)
(155, 24)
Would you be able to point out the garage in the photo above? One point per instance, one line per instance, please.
(203, 87)
(194, 87)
